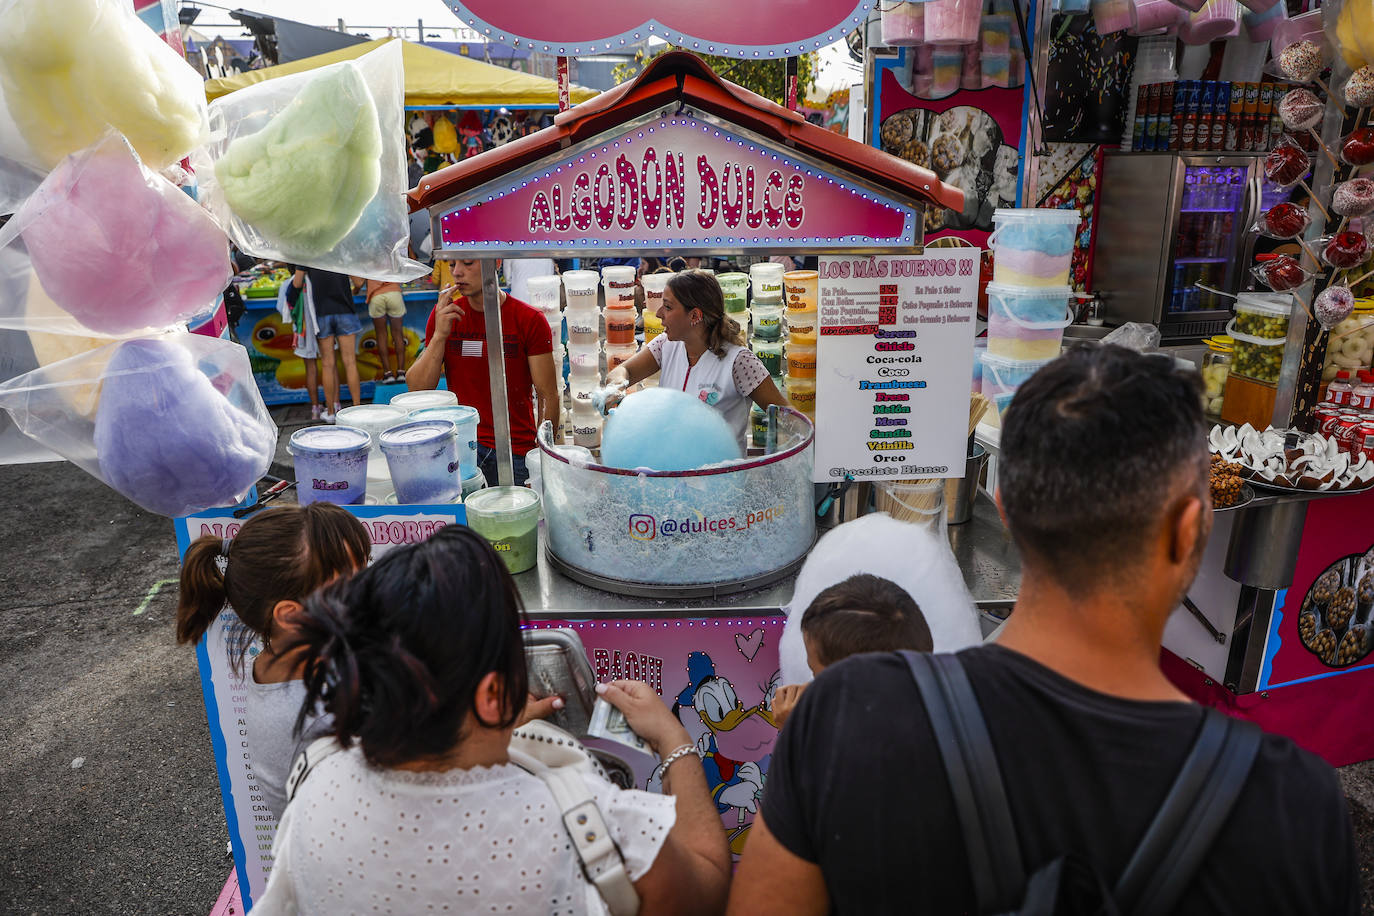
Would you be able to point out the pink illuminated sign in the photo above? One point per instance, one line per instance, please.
(776, 28)
(676, 183)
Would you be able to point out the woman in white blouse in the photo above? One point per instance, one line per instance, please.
(420, 660)
(700, 352)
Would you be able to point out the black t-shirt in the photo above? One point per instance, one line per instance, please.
(857, 786)
(333, 292)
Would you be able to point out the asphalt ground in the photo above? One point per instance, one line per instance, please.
(107, 782)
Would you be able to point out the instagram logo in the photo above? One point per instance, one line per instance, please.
(643, 527)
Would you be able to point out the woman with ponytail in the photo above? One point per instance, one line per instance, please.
(420, 661)
(701, 351)
(263, 574)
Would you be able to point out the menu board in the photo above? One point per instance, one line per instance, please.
(894, 364)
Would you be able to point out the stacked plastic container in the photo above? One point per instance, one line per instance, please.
(544, 295)
(803, 321)
(1028, 298)
(766, 308)
(584, 353)
(1259, 331)
(654, 285)
(620, 314)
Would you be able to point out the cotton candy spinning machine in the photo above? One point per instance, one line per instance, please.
(725, 528)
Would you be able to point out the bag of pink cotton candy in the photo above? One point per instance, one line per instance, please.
(116, 246)
(174, 423)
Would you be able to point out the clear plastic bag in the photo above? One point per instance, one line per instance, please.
(116, 247)
(175, 422)
(311, 168)
(70, 69)
(1135, 335)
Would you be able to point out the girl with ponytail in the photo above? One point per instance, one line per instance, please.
(701, 352)
(263, 574)
(420, 662)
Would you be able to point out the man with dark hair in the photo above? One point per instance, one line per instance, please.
(1104, 488)
(864, 613)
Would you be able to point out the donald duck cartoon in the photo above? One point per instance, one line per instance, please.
(734, 741)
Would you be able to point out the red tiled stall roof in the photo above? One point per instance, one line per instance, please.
(682, 78)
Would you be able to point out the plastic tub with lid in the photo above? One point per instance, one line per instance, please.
(1258, 358)
(417, 400)
(1216, 368)
(765, 280)
(1027, 322)
(465, 419)
(375, 419)
(423, 458)
(1033, 246)
(1263, 314)
(330, 464)
(508, 517)
(1002, 376)
(734, 286)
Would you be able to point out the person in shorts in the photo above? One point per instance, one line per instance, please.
(336, 322)
(387, 309)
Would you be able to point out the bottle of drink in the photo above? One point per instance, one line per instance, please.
(1340, 390)
(1362, 395)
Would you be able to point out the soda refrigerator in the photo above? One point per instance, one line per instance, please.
(1168, 222)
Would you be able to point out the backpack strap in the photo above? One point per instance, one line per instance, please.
(994, 858)
(602, 863)
(1193, 813)
(307, 760)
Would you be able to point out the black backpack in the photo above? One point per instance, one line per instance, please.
(1166, 858)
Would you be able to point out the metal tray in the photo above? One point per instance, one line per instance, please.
(1247, 495)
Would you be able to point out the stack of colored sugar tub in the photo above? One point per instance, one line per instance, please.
(1033, 247)
(1027, 322)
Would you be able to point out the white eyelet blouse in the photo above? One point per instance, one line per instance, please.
(358, 839)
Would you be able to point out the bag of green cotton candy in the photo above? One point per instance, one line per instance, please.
(174, 422)
(310, 168)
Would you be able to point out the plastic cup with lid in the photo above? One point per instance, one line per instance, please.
(465, 419)
(580, 287)
(766, 280)
(1033, 247)
(417, 400)
(423, 457)
(508, 517)
(619, 280)
(799, 287)
(331, 464)
(543, 292)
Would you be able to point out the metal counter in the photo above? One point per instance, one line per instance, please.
(983, 549)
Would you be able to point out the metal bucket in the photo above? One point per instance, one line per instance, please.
(847, 501)
(960, 493)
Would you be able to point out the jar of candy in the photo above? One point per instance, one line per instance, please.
(1216, 367)
(1350, 345)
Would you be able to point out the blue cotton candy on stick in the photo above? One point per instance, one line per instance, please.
(120, 248)
(166, 438)
(304, 179)
(666, 430)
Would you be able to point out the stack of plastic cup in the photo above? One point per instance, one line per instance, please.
(1002, 376)
(952, 22)
(374, 419)
(544, 295)
(734, 287)
(584, 351)
(423, 457)
(803, 320)
(946, 65)
(1033, 247)
(331, 464)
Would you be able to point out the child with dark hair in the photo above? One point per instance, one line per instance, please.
(864, 613)
(420, 661)
(263, 574)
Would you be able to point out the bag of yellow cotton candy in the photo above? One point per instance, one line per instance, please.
(310, 168)
(71, 69)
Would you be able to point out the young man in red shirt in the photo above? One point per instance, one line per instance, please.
(456, 348)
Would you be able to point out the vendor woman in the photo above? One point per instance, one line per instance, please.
(700, 352)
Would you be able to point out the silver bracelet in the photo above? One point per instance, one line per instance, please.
(677, 754)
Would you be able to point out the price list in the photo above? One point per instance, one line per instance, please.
(894, 362)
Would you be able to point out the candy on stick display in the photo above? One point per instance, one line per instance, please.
(1354, 197)
(1357, 147)
(1359, 89)
(1286, 164)
(1281, 273)
(1345, 250)
(1301, 61)
(1301, 109)
(1283, 221)
(1334, 304)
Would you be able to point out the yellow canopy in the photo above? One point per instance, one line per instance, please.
(433, 77)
